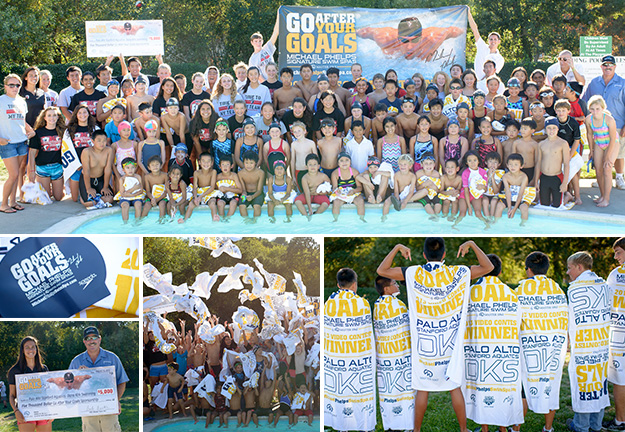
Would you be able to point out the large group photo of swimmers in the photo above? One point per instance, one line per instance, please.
(590, 311)
(466, 142)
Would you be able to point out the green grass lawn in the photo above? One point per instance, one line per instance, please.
(129, 418)
(440, 416)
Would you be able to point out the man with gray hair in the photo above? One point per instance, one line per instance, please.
(574, 73)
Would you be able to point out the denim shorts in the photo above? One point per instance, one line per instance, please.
(53, 170)
(14, 149)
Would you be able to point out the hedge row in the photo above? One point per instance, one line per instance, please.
(188, 69)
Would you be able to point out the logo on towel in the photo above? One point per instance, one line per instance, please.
(397, 410)
(533, 391)
(616, 364)
(547, 390)
(428, 373)
(348, 411)
(489, 400)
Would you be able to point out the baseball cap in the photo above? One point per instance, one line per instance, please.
(608, 59)
(551, 121)
(172, 102)
(90, 331)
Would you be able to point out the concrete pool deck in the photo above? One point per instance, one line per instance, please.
(51, 219)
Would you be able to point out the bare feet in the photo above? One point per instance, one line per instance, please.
(603, 204)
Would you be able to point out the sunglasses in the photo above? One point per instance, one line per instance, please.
(92, 338)
(13, 85)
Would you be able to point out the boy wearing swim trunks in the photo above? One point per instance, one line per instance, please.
(428, 186)
(329, 147)
(527, 147)
(404, 186)
(302, 403)
(252, 181)
(154, 184)
(310, 183)
(97, 163)
(229, 185)
(553, 154)
(514, 182)
(408, 119)
(265, 397)
(451, 186)
(204, 181)
(176, 392)
(249, 413)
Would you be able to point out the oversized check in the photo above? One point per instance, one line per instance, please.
(129, 38)
(68, 393)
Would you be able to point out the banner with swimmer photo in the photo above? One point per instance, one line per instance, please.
(406, 40)
(348, 363)
(589, 328)
(392, 341)
(544, 327)
(437, 304)
(68, 393)
(492, 358)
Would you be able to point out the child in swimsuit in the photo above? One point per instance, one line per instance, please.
(346, 189)
(391, 146)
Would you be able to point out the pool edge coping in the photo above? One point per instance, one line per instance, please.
(68, 225)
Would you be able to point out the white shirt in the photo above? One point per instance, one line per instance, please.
(154, 89)
(555, 69)
(359, 152)
(262, 57)
(65, 97)
(13, 119)
(482, 54)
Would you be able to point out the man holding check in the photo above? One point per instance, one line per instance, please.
(98, 357)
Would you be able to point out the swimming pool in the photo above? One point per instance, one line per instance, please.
(188, 426)
(411, 221)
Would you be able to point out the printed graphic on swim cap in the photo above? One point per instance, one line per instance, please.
(52, 277)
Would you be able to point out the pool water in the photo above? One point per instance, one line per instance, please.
(408, 221)
(283, 424)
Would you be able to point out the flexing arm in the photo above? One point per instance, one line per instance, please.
(385, 269)
(484, 265)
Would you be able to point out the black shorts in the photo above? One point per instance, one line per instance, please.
(227, 200)
(432, 201)
(96, 183)
(234, 412)
(550, 194)
(285, 408)
(263, 411)
(529, 172)
(259, 201)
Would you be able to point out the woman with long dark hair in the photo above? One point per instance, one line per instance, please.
(29, 360)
